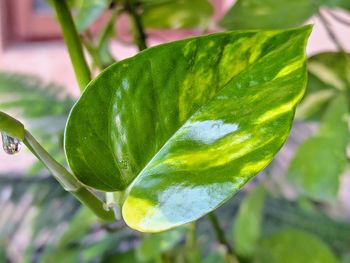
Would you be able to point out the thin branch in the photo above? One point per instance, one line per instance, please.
(220, 235)
(140, 35)
(329, 31)
(67, 180)
(219, 232)
(338, 18)
(75, 48)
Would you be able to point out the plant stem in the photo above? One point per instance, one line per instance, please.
(219, 232)
(72, 40)
(94, 203)
(67, 180)
(329, 31)
(220, 235)
(192, 254)
(140, 35)
(339, 18)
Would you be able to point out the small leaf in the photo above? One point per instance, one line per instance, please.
(194, 120)
(176, 13)
(320, 161)
(293, 246)
(268, 14)
(247, 224)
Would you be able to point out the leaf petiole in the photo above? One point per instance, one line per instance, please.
(67, 180)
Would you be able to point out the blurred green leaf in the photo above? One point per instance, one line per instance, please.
(47, 208)
(152, 245)
(315, 101)
(176, 13)
(31, 97)
(254, 14)
(345, 4)
(78, 226)
(87, 11)
(126, 257)
(247, 224)
(293, 246)
(105, 36)
(91, 251)
(216, 257)
(345, 259)
(320, 161)
(79, 244)
(332, 69)
(43, 107)
(281, 213)
(328, 74)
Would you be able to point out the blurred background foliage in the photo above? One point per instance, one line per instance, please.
(264, 223)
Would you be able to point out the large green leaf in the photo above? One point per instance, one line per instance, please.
(293, 246)
(194, 120)
(253, 14)
(320, 161)
(328, 75)
(247, 224)
(176, 13)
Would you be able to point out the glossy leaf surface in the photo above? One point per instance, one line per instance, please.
(193, 119)
(320, 161)
(293, 246)
(247, 224)
(268, 14)
(176, 13)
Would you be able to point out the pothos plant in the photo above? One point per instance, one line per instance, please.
(172, 133)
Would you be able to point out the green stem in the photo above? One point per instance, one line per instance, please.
(140, 35)
(192, 254)
(220, 235)
(67, 180)
(329, 31)
(71, 37)
(338, 18)
(94, 203)
(102, 42)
